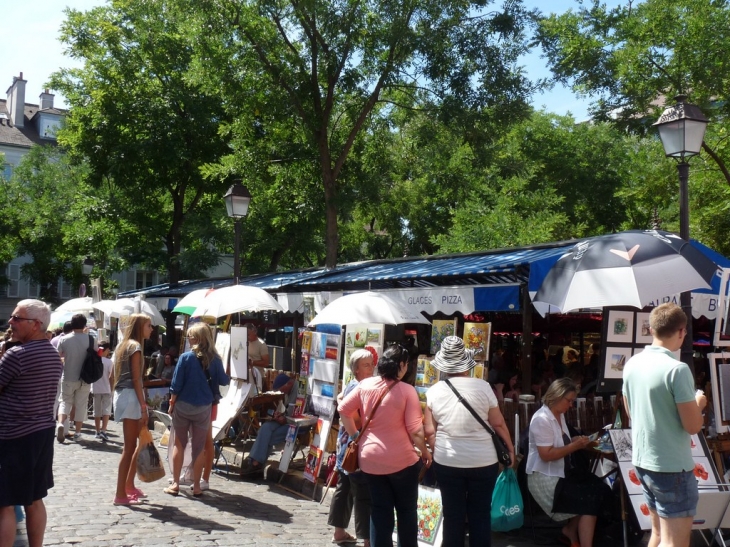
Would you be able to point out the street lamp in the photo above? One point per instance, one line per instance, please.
(682, 131)
(237, 199)
(87, 266)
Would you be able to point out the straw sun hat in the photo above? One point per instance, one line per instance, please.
(453, 357)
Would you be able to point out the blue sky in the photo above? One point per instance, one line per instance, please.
(29, 40)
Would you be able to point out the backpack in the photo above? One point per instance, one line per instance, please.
(93, 367)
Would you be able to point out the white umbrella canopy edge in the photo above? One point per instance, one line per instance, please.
(77, 305)
(191, 301)
(127, 306)
(367, 307)
(236, 299)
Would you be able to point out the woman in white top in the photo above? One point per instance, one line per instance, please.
(550, 444)
(464, 457)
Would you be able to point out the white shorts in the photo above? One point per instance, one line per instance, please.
(126, 405)
(102, 404)
(75, 394)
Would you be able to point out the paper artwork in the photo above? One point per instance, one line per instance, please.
(476, 337)
(440, 329)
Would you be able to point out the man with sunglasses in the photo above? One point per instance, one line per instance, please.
(664, 410)
(29, 375)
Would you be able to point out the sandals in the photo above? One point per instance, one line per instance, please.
(126, 501)
(345, 540)
(137, 493)
(172, 491)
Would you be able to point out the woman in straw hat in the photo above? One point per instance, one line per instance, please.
(387, 456)
(465, 460)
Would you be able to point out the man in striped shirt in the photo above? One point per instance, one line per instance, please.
(29, 375)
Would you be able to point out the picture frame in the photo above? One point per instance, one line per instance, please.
(620, 326)
(615, 358)
(720, 382)
(643, 330)
(721, 338)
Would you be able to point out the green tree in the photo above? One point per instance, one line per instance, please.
(52, 215)
(322, 68)
(146, 131)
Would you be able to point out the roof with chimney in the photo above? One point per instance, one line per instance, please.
(27, 135)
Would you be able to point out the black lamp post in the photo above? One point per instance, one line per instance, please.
(237, 200)
(87, 266)
(682, 130)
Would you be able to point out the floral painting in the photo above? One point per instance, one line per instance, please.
(476, 337)
(440, 330)
(430, 515)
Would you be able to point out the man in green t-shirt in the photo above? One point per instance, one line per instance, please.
(665, 410)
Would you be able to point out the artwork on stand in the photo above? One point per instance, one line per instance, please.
(319, 345)
(312, 464)
(239, 353)
(422, 396)
(156, 395)
(223, 347)
(440, 329)
(615, 360)
(426, 372)
(478, 371)
(643, 330)
(620, 326)
(476, 337)
(711, 490)
(430, 517)
(306, 341)
(332, 348)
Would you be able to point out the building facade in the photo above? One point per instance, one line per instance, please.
(22, 126)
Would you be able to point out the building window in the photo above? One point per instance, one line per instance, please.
(145, 279)
(14, 278)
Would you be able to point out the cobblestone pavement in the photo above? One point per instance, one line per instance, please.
(233, 512)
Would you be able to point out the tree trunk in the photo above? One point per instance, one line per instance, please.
(330, 202)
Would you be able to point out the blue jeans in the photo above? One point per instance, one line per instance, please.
(671, 495)
(269, 434)
(397, 491)
(467, 493)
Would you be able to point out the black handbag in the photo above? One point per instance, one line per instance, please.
(499, 445)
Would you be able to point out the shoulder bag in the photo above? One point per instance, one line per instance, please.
(499, 445)
(350, 461)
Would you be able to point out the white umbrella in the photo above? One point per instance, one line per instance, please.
(192, 301)
(368, 307)
(59, 318)
(77, 305)
(127, 306)
(236, 299)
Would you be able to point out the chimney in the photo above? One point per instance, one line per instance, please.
(16, 101)
(45, 100)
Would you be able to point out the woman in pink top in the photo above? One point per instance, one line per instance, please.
(387, 455)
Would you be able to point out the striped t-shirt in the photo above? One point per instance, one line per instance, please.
(29, 375)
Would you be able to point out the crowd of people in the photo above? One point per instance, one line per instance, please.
(40, 388)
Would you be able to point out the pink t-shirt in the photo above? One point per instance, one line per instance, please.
(385, 446)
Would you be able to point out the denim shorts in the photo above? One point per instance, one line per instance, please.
(671, 495)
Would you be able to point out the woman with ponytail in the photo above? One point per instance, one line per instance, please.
(194, 388)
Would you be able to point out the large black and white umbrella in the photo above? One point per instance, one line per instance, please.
(630, 268)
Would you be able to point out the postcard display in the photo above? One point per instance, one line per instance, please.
(625, 333)
(316, 396)
(712, 507)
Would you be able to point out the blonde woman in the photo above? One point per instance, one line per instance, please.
(129, 404)
(194, 388)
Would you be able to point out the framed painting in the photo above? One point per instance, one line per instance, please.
(620, 326)
(643, 330)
